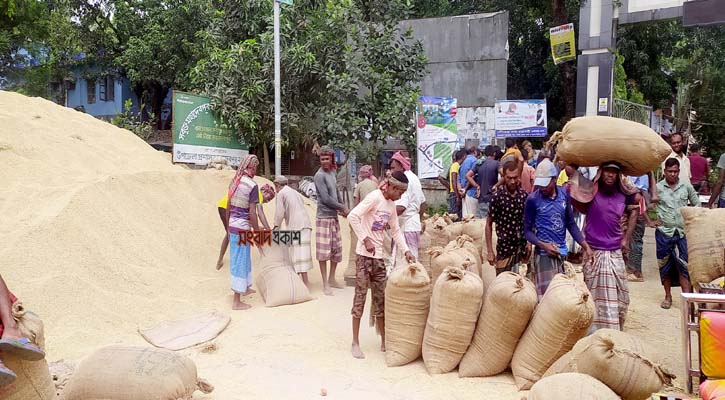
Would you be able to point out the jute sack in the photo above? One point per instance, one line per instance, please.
(277, 281)
(571, 386)
(407, 300)
(135, 373)
(465, 243)
(454, 310)
(507, 309)
(29, 324)
(630, 367)
(423, 255)
(438, 233)
(33, 380)
(561, 319)
(591, 141)
(453, 231)
(441, 259)
(475, 228)
(705, 233)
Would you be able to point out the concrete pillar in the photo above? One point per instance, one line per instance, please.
(595, 64)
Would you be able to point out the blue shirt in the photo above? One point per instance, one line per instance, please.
(547, 220)
(466, 166)
(641, 182)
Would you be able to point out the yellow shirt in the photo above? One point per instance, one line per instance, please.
(513, 152)
(455, 167)
(563, 178)
(225, 200)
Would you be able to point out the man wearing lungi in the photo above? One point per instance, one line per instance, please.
(605, 273)
(547, 217)
(670, 234)
(291, 209)
(328, 239)
(368, 219)
(411, 205)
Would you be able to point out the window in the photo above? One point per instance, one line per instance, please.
(91, 90)
(106, 88)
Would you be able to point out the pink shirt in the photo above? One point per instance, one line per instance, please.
(527, 178)
(368, 219)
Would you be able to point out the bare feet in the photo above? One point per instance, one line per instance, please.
(327, 291)
(240, 305)
(336, 284)
(249, 291)
(356, 352)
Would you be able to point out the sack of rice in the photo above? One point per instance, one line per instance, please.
(277, 281)
(488, 275)
(135, 373)
(441, 259)
(507, 309)
(423, 255)
(454, 309)
(407, 300)
(453, 231)
(571, 386)
(438, 233)
(591, 141)
(33, 380)
(630, 367)
(29, 324)
(562, 318)
(465, 243)
(705, 232)
(475, 228)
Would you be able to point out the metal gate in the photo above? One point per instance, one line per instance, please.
(632, 111)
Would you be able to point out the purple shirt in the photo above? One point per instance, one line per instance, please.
(603, 230)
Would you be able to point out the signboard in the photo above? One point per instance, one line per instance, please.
(563, 48)
(603, 104)
(520, 118)
(288, 2)
(199, 135)
(437, 134)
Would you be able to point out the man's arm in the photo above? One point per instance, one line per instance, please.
(693, 196)
(631, 223)
(443, 181)
(253, 216)
(571, 225)
(715, 193)
(654, 197)
(279, 211)
(489, 240)
(530, 222)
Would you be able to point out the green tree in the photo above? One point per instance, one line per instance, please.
(373, 92)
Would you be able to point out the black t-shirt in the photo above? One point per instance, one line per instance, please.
(486, 175)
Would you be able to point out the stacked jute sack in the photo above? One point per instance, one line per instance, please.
(33, 380)
(277, 281)
(591, 141)
(135, 373)
(705, 232)
(484, 334)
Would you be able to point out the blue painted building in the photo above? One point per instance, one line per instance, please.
(102, 97)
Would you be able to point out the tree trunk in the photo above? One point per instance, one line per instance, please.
(566, 69)
(265, 154)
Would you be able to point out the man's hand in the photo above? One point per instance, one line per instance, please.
(478, 192)
(655, 198)
(527, 254)
(409, 257)
(654, 224)
(492, 258)
(625, 247)
(588, 253)
(422, 228)
(461, 193)
(344, 211)
(369, 246)
(551, 249)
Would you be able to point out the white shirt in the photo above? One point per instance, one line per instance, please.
(412, 199)
(685, 173)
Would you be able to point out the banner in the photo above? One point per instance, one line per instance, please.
(199, 135)
(563, 48)
(520, 118)
(437, 134)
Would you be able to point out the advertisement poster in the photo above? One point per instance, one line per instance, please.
(520, 118)
(437, 134)
(200, 135)
(563, 48)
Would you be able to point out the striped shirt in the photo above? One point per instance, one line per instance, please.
(246, 196)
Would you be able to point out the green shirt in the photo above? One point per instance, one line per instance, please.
(671, 200)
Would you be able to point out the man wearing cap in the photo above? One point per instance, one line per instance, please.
(605, 272)
(411, 206)
(547, 216)
(292, 211)
(328, 240)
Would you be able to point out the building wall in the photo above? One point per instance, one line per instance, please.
(467, 57)
(79, 97)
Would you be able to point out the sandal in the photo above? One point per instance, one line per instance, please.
(666, 304)
(6, 376)
(634, 278)
(22, 348)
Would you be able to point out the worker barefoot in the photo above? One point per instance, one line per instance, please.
(368, 219)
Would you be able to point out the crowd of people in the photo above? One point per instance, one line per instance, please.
(542, 210)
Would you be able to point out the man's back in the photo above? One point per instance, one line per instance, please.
(486, 176)
(365, 187)
(295, 213)
(698, 167)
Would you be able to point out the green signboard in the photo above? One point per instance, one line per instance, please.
(200, 135)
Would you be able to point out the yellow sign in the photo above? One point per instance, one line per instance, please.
(563, 48)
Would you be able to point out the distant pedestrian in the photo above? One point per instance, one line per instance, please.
(449, 180)
(411, 206)
(467, 191)
(483, 176)
(677, 143)
(648, 191)
(528, 174)
(699, 168)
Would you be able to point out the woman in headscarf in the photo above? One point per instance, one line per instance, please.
(242, 216)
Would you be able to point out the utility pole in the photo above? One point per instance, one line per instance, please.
(277, 90)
